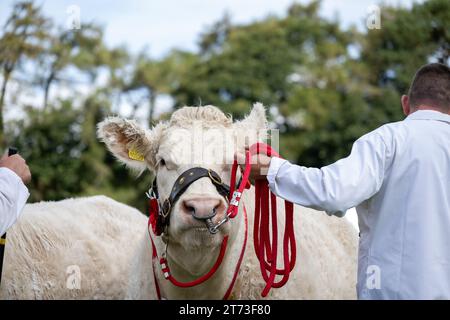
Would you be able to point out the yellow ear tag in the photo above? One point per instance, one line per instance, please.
(135, 155)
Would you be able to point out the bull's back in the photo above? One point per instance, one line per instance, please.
(71, 249)
(327, 255)
(326, 261)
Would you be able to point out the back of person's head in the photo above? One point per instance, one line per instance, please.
(431, 87)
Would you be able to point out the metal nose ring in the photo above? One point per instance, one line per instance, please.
(208, 217)
(208, 221)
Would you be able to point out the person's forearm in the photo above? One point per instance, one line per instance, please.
(13, 196)
(309, 187)
(339, 186)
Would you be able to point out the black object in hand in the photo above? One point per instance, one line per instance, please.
(12, 151)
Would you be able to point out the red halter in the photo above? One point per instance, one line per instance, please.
(265, 245)
(166, 271)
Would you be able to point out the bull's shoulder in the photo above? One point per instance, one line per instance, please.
(96, 234)
(80, 217)
(94, 205)
(329, 230)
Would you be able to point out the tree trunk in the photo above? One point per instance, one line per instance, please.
(151, 111)
(48, 83)
(2, 102)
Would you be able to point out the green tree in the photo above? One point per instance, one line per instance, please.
(50, 141)
(23, 33)
(151, 76)
(407, 39)
(325, 86)
(298, 65)
(82, 49)
(238, 65)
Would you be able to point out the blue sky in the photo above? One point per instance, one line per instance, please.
(162, 25)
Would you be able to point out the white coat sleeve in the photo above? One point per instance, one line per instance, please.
(13, 196)
(337, 187)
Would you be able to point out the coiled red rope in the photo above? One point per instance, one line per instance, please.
(265, 233)
(265, 243)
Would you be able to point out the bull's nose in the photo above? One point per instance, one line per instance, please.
(203, 207)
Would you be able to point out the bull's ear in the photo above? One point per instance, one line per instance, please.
(133, 145)
(253, 127)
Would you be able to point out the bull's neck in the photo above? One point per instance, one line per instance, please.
(200, 262)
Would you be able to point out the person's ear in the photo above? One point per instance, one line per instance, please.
(405, 105)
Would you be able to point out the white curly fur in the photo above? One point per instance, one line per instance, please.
(210, 116)
(95, 234)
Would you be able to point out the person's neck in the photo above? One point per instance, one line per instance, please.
(429, 108)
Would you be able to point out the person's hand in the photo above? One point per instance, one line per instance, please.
(259, 165)
(18, 165)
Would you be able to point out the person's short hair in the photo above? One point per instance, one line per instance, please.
(431, 87)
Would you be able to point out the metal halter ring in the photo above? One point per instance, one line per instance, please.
(214, 179)
(165, 213)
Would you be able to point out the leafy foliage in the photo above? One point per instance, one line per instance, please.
(325, 86)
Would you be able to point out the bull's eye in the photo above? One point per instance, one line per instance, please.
(166, 164)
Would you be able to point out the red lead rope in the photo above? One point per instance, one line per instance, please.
(265, 243)
(264, 249)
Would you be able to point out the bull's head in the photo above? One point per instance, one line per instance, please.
(194, 137)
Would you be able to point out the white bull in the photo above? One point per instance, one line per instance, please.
(97, 248)
(206, 137)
